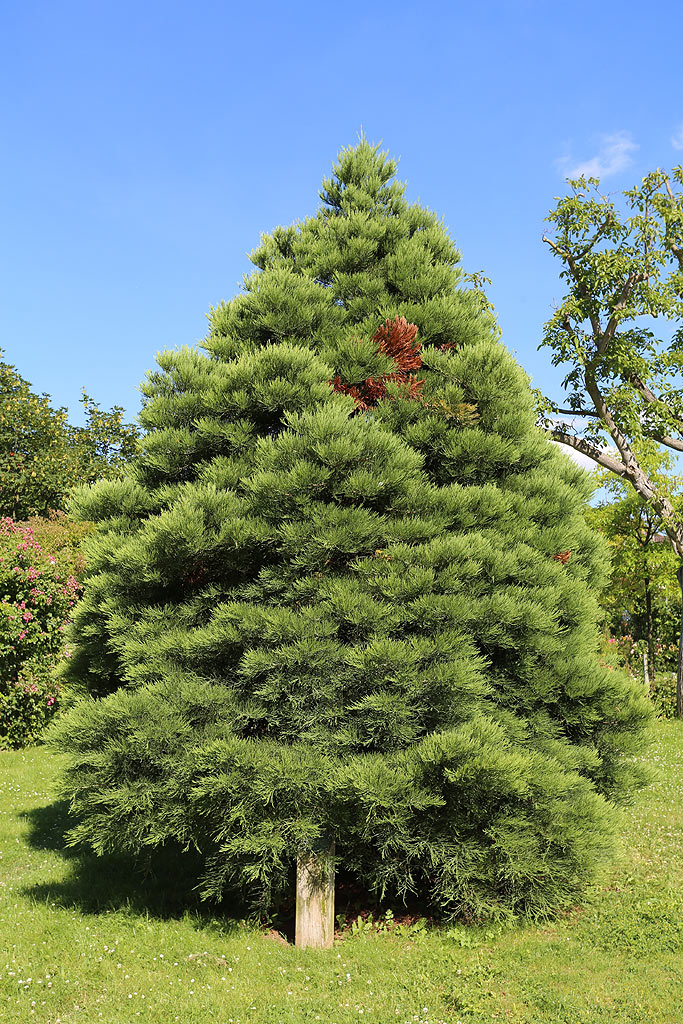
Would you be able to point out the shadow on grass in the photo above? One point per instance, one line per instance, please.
(163, 885)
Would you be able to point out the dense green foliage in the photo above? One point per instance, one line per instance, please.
(38, 592)
(326, 618)
(642, 598)
(42, 456)
(34, 472)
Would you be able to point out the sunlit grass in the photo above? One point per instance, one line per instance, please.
(87, 940)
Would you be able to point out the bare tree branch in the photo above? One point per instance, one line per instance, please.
(644, 390)
(670, 442)
(629, 460)
(580, 444)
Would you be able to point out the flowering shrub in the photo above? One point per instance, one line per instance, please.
(37, 593)
(26, 707)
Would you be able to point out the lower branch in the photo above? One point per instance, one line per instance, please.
(593, 452)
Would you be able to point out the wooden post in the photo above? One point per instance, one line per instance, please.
(315, 897)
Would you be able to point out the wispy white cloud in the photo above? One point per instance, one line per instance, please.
(614, 155)
(677, 138)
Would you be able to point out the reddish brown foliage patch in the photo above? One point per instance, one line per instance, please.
(563, 557)
(395, 338)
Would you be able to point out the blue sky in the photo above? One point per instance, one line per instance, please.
(146, 145)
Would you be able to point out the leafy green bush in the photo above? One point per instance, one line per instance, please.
(626, 653)
(26, 707)
(37, 593)
(663, 693)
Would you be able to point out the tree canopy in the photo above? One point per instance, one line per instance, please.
(42, 456)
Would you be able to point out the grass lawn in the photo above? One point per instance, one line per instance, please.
(85, 940)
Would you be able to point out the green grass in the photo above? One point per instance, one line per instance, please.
(85, 940)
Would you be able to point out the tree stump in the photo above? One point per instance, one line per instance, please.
(315, 897)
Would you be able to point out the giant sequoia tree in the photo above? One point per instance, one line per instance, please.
(343, 607)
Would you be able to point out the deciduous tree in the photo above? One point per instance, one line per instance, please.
(35, 469)
(618, 330)
(42, 456)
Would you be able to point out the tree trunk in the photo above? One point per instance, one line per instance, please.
(646, 673)
(315, 897)
(679, 673)
(650, 627)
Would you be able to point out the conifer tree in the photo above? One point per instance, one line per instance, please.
(343, 605)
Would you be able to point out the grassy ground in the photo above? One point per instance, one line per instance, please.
(83, 940)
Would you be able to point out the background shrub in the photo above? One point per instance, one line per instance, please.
(26, 707)
(663, 693)
(38, 589)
